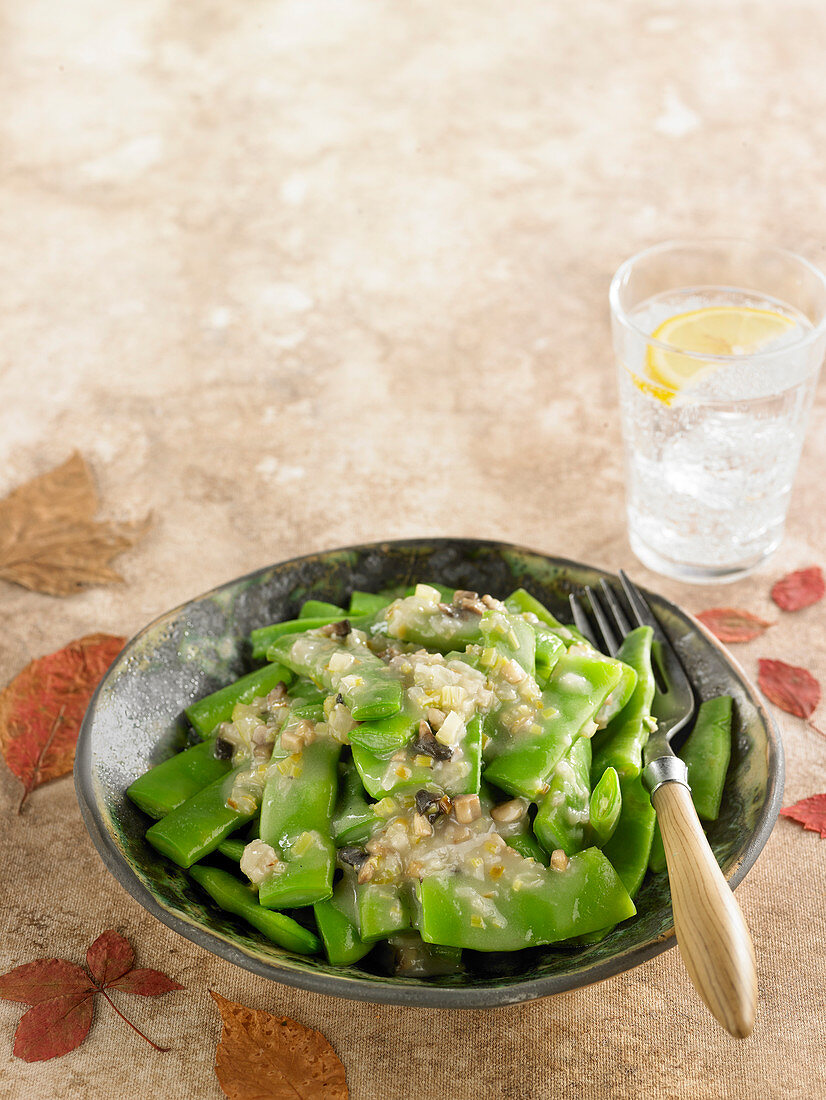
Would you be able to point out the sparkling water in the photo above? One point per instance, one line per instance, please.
(709, 475)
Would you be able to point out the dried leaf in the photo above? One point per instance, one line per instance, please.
(264, 1057)
(49, 539)
(63, 993)
(810, 813)
(800, 589)
(43, 979)
(730, 625)
(145, 983)
(109, 957)
(789, 687)
(54, 1027)
(42, 708)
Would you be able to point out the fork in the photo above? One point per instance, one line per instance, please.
(711, 933)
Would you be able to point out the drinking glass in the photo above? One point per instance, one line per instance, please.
(718, 347)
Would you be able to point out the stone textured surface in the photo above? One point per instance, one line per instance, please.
(300, 273)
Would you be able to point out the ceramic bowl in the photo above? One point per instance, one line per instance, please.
(136, 720)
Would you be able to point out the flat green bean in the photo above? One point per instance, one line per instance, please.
(213, 709)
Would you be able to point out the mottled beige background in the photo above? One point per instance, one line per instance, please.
(299, 273)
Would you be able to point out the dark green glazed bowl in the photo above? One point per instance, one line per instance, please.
(136, 719)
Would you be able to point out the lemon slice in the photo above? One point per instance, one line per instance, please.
(715, 330)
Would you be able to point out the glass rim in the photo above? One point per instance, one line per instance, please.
(622, 315)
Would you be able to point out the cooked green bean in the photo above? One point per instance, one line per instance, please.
(169, 784)
(213, 709)
(234, 897)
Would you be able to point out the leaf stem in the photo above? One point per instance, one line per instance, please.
(163, 1050)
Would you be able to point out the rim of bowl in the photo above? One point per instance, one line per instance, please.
(480, 995)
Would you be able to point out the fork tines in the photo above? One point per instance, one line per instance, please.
(608, 610)
(609, 614)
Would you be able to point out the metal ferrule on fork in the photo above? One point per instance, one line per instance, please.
(665, 769)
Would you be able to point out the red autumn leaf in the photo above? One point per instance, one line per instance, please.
(264, 1057)
(800, 589)
(789, 687)
(810, 813)
(63, 993)
(43, 979)
(730, 625)
(145, 982)
(54, 1027)
(42, 708)
(109, 957)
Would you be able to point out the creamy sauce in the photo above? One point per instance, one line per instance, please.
(477, 849)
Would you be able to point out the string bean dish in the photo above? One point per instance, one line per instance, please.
(427, 773)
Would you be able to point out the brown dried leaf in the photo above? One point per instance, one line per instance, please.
(264, 1057)
(49, 539)
(730, 625)
(42, 708)
(789, 687)
(800, 589)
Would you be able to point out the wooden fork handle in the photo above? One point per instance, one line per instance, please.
(713, 938)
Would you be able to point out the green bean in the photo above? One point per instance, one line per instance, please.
(630, 846)
(213, 709)
(549, 648)
(707, 752)
(353, 816)
(367, 603)
(523, 602)
(381, 911)
(605, 808)
(383, 737)
(621, 745)
(295, 819)
(382, 777)
(618, 698)
(366, 684)
(425, 623)
(413, 958)
(266, 636)
(340, 936)
(197, 826)
(521, 764)
(320, 609)
(232, 849)
(170, 783)
(460, 911)
(528, 847)
(563, 812)
(234, 897)
(515, 638)
(305, 878)
(305, 693)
